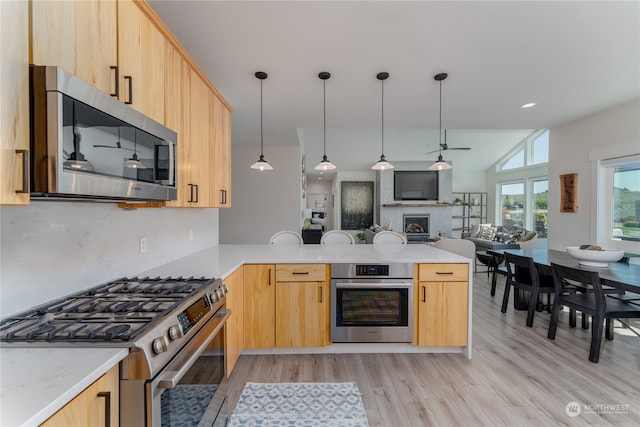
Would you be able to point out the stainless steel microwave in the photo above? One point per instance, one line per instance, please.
(86, 144)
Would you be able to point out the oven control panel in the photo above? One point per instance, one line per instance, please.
(194, 313)
(372, 269)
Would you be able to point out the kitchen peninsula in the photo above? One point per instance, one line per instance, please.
(229, 262)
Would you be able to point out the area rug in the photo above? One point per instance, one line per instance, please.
(299, 404)
(184, 405)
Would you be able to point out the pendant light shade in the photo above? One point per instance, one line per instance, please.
(325, 164)
(261, 164)
(133, 162)
(440, 164)
(76, 159)
(382, 164)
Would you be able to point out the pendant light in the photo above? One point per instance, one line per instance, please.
(325, 164)
(133, 162)
(76, 159)
(261, 164)
(440, 164)
(382, 163)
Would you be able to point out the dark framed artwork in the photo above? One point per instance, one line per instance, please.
(356, 205)
(569, 192)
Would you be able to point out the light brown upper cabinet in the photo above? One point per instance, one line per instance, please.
(141, 61)
(79, 36)
(220, 153)
(14, 111)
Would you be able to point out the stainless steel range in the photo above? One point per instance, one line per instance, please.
(168, 324)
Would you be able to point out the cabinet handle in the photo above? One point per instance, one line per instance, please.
(190, 193)
(269, 283)
(446, 273)
(424, 294)
(300, 273)
(197, 194)
(25, 171)
(130, 100)
(222, 197)
(320, 288)
(117, 80)
(107, 407)
(225, 197)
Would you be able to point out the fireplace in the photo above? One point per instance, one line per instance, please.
(416, 227)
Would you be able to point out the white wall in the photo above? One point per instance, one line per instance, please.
(569, 147)
(263, 202)
(50, 249)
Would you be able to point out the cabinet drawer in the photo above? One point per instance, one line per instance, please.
(444, 272)
(300, 273)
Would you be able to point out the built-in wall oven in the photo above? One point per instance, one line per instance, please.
(174, 329)
(372, 302)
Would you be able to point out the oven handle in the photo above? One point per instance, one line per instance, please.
(170, 379)
(377, 285)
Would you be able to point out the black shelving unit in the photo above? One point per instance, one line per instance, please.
(471, 211)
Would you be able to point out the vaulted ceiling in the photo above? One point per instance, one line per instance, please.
(572, 58)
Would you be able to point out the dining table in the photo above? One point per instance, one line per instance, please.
(620, 275)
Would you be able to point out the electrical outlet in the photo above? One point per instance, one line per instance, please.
(143, 245)
(190, 234)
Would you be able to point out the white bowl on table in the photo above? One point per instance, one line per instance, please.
(590, 258)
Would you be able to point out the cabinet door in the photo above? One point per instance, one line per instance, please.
(89, 407)
(177, 117)
(259, 306)
(79, 36)
(301, 314)
(234, 328)
(199, 142)
(220, 134)
(14, 108)
(442, 313)
(141, 57)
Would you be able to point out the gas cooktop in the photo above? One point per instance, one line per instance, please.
(118, 311)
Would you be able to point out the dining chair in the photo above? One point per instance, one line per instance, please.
(523, 274)
(337, 237)
(462, 247)
(286, 238)
(592, 303)
(387, 237)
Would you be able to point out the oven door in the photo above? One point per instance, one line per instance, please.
(189, 390)
(371, 310)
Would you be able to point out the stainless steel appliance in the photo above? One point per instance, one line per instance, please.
(87, 144)
(372, 302)
(173, 327)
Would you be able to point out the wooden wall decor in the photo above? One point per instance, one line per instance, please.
(569, 192)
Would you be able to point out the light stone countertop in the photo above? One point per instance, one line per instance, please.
(36, 382)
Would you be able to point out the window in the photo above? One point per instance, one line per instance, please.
(624, 202)
(522, 184)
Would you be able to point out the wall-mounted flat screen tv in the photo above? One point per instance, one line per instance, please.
(415, 185)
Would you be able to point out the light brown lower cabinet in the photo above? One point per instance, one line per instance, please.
(259, 305)
(234, 328)
(441, 295)
(97, 405)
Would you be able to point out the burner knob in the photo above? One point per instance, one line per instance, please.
(175, 332)
(160, 345)
(220, 293)
(215, 297)
(225, 289)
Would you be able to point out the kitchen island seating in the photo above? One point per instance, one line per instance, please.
(286, 238)
(337, 237)
(523, 274)
(592, 303)
(387, 237)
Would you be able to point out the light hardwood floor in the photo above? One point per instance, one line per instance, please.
(517, 377)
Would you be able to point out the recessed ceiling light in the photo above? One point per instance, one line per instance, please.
(528, 105)
(319, 177)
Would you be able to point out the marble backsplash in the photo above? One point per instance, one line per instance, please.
(50, 249)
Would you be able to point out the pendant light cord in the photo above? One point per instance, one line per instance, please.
(324, 117)
(382, 119)
(440, 124)
(261, 134)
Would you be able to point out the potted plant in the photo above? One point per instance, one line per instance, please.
(362, 236)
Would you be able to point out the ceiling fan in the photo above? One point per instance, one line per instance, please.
(445, 147)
